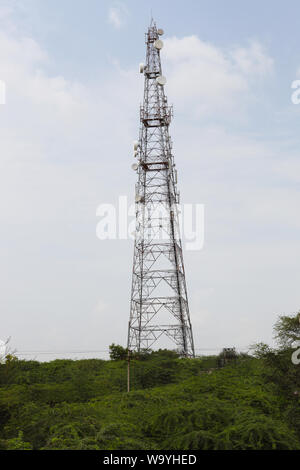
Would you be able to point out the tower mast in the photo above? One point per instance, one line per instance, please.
(159, 303)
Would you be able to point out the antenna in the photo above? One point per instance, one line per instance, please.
(159, 309)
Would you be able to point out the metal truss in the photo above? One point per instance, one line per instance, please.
(159, 303)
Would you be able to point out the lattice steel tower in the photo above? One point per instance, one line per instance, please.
(159, 303)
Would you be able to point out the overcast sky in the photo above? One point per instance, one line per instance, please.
(72, 101)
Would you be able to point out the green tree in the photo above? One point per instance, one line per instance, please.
(287, 330)
(117, 352)
(17, 443)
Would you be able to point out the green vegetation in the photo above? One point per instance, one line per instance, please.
(252, 402)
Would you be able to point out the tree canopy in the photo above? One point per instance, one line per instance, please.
(247, 402)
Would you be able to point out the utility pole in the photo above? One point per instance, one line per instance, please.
(159, 302)
(128, 371)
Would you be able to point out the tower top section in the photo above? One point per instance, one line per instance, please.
(155, 111)
(153, 32)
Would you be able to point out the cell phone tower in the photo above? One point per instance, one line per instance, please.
(159, 303)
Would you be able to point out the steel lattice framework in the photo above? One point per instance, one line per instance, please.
(159, 303)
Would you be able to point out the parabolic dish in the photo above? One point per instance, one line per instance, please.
(134, 166)
(158, 44)
(160, 32)
(161, 80)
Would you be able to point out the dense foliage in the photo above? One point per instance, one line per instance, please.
(250, 403)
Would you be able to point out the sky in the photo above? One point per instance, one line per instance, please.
(66, 130)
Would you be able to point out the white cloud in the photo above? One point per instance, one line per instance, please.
(253, 61)
(5, 12)
(66, 146)
(46, 126)
(207, 80)
(61, 155)
(117, 15)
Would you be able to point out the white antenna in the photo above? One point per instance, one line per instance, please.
(158, 44)
(161, 80)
